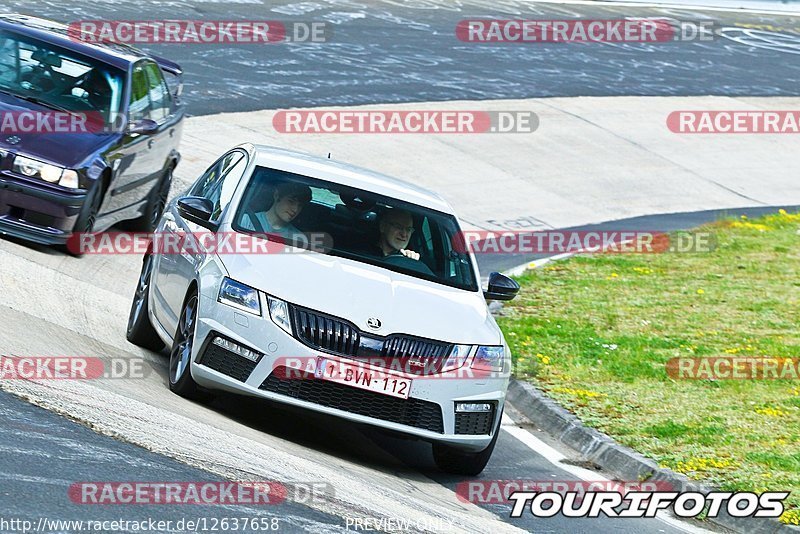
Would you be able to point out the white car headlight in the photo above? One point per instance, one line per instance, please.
(457, 358)
(279, 312)
(489, 358)
(239, 296)
(34, 168)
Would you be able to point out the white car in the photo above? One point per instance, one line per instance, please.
(332, 288)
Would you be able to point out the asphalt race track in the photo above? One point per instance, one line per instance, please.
(380, 52)
(371, 474)
(393, 51)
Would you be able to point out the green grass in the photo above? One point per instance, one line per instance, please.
(595, 332)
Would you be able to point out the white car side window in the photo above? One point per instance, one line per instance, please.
(219, 182)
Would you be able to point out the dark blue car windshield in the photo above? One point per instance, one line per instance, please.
(59, 78)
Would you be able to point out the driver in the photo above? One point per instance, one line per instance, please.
(98, 90)
(395, 228)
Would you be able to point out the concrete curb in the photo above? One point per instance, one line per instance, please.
(622, 462)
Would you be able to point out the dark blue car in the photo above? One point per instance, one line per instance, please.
(106, 141)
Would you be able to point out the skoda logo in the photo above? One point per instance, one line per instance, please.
(13, 139)
(374, 323)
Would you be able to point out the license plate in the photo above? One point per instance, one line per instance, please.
(363, 378)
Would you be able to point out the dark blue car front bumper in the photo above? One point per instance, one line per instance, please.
(36, 212)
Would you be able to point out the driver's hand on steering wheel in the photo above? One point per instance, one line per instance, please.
(409, 253)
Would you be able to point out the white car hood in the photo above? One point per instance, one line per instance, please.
(356, 292)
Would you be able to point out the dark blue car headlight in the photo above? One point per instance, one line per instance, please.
(33, 168)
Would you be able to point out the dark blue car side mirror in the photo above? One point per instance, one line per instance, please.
(143, 126)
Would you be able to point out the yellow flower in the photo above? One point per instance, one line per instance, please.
(790, 517)
(771, 412)
(577, 392)
(701, 291)
(782, 211)
(750, 226)
(703, 464)
(743, 217)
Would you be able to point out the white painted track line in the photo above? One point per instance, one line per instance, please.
(556, 458)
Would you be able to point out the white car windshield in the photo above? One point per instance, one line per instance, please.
(356, 224)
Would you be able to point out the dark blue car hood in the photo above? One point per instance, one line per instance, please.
(66, 149)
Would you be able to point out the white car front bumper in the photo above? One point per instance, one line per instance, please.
(428, 413)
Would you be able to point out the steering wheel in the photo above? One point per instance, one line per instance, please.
(81, 83)
(87, 97)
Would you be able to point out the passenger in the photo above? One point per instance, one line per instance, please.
(289, 199)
